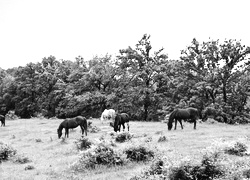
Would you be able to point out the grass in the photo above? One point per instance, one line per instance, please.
(50, 158)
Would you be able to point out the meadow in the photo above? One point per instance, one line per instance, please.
(52, 158)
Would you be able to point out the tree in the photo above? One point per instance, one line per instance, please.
(139, 70)
(215, 67)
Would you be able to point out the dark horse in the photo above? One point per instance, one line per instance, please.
(185, 114)
(121, 119)
(72, 123)
(2, 119)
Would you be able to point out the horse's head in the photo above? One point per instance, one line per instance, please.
(59, 133)
(170, 125)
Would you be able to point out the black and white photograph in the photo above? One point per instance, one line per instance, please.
(124, 90)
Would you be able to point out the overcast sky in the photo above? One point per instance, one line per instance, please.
(33, 29)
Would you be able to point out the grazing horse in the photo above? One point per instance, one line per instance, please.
(72, 123)
(2, 119)
(185, 114)
(121, 119)
(108, 114)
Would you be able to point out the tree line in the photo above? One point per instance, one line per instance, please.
(147, 85)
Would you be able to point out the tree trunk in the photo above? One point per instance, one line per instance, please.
(224, 92)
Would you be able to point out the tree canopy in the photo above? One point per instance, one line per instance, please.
(144, 83)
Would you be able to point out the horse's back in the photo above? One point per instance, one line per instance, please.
(187, 113)
(193, 112)
(72, 123)
(182, 114)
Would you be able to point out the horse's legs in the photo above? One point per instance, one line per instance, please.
(128, 125)
(175, 124)
(195, 124)
(123, 125)
(82, 127)
(180, 123)
(66, 132)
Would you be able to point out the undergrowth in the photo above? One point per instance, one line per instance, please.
(6, 151)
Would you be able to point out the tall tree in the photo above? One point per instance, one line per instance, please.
(139, 69)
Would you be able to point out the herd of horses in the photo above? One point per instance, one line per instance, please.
(120, 119)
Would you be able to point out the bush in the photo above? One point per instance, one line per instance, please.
(6, 151)
(155, 171)
(123, 137)
(29, 167)
(246, 173)
(83, 143)
(238, 149)
(22, 159)
(99, 155)
(139, 153)
(162, 139)
(207, 170)
(93, 129)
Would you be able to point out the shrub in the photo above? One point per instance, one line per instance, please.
(93, 129)
(6, 151)
(246, 173)
(123, 137)
(29, 167)
(207, 170)
(156, 167)
(155, 171)
(139, 153)
(238, 149)
(38, 140)
(101, 154)
(162, 139)
(22, 159)
(83, 143)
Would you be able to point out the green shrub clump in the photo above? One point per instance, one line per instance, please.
(125, 136)
(83, 143)
(6, 151)
(238, 149)
(101, 154)
(207, 170)
(139, 153)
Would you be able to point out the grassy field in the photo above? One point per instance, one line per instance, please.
(52, 158)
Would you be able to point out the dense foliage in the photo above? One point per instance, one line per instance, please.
(145, 84)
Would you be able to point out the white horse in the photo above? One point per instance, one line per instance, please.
(108, 114)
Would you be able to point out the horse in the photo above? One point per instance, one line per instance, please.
(2, 119)
(185, 114)
(121, 119)
(71, 124)
(108, 114)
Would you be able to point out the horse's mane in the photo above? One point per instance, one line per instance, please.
(61, 124)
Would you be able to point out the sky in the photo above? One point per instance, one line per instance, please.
(33, 29)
